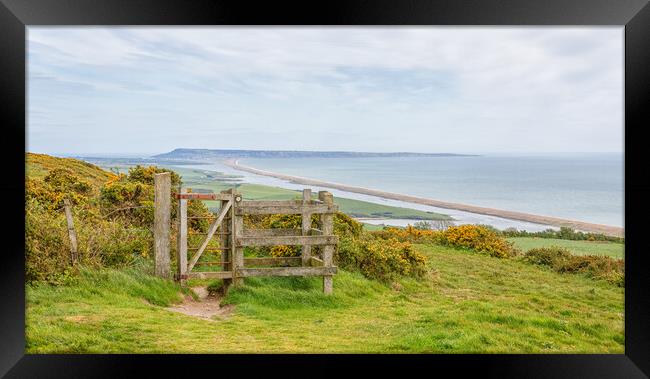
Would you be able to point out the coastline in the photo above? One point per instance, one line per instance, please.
(512, 215)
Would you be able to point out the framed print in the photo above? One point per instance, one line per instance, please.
(386, 185)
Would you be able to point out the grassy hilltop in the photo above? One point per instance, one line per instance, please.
(39, 165)
(464, 290)
(468, 304)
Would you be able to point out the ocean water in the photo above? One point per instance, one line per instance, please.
(584, 187)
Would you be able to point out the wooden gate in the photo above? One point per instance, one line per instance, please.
(228, 223)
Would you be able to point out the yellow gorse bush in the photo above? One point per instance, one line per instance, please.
(475, 237)
(112, 214)
(383, 259)
(410, 234)
(374, 257)
(480, 239)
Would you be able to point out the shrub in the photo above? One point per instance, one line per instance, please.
(433, 225)
(47, 251)
(113, 215)
(597, 267)
(285, 251)
(131, 198)
(410, 234)
(357, 250)
(343, 225)
(593, 266)
(380, 259)
(197, 208)
(104, 242)
(479, 238)
(144, 175)
(552, 256)
(564, 233)
(476, 237)
(55, 186)
(280, 221)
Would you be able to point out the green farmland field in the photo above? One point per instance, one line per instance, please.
(612, 249)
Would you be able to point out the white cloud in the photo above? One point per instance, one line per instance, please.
(437, 89)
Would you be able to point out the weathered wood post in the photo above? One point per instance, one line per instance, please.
(306, 227)
(181, 258)
(226, 239)
(71, 232)
(162, 207)
(237, 231)
(327, 227)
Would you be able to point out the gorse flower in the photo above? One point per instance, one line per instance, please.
(476, 237)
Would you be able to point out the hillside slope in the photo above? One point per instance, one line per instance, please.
(470, 304)
(39, 165)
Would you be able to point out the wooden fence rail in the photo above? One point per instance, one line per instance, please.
(228, 224)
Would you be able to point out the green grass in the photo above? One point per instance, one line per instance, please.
(371, 227)
(37, 166)
(470, 303)
(612, 249)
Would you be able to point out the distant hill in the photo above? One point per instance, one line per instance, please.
(201, 154)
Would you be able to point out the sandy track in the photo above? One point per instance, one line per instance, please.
(206, 307)
(512, 215)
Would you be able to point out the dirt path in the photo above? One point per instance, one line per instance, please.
(206, 307)
(512, 215)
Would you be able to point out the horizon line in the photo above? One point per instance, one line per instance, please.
(88, 154)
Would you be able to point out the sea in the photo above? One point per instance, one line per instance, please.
(578, 186)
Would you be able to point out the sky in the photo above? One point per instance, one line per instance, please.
(149, 90)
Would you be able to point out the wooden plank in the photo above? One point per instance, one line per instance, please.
(201, 196)
(162, 214)
(327, 226)
(203, 263)
(71, 232)
(287, 271)
(315, 262)
(272, 261)
(237, 231)
(285, 209)
(315, 232)
(272, 232)
(181, 239)
(285, 240)
(275, 203)
(306, 227)
(211, 231)
(226, 239)
(210, 275)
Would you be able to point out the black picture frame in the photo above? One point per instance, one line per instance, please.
(634, 15)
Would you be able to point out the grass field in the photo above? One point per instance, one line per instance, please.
(612, 249)
(371, 227)
(469, 304)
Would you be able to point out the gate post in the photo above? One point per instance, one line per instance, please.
(162, 204)
(328, 229)
(306, 227)
(181, 258)
(236, 231)
(71, 233)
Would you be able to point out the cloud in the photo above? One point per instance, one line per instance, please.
(436, 88)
